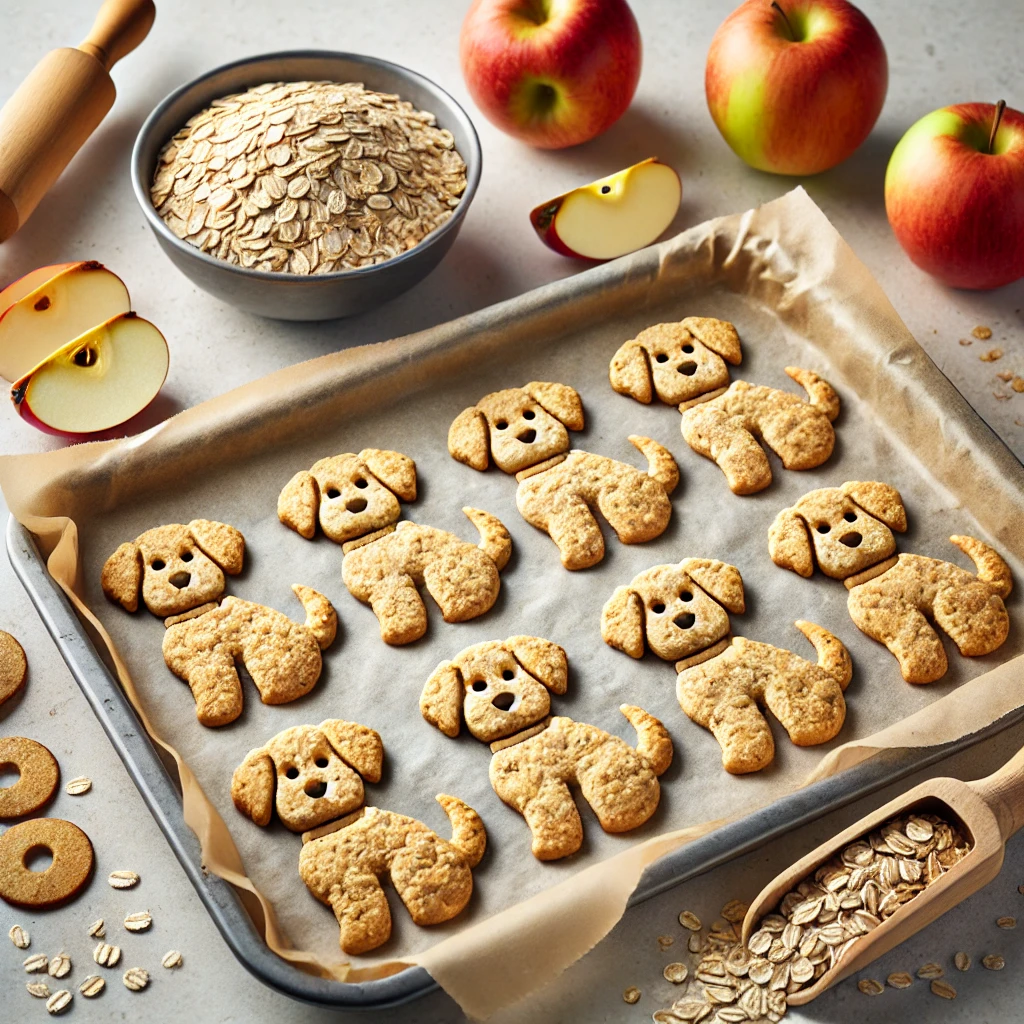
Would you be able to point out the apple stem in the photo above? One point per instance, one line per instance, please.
(1000, 107)
(792, 34)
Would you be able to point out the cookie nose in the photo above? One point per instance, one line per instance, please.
(527, 436)
(685, 621)
(851, 540)
(356, 504)
(504, 701)
(315, 789)
(688, 369)
(180, 580)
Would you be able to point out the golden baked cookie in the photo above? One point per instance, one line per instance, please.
(39, 772)
(63, 879)
(725, 693)
(727, 429)
(13, 666)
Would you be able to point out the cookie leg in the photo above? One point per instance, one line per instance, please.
(743, 734)
(217, 690)
(462, 591)
(715, 434)
(399, 609)
(636, 513)
(545, 803)
(803, 439)
(808, 703)
(974, 618)
(622, 792)
(364, 918)
(903, 629)
(432, 879)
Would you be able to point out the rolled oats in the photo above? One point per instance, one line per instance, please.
(993, 962)
(97, 929)
(59, 966)
(664, 941)
(943, 989)
(39, 989)
(676, 973)
(631, 995)
(900, 979)
(171, 959)
(1007, 922)
(690, 921)
(930, 971)
(123, 879)
(92, 986)
(19, 937)
(79, 786)
(35, 964)
(870, 987)
(962, 961)
(138, 922)
(135, 979)
(106, 955)
(58, 1002)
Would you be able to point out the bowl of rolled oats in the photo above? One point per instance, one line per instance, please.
(307, 185)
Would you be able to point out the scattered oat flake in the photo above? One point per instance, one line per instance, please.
(693, 943)
(930, 972)
(982, 333)
(631, 995)
(60, 965)
(58, 1002)
(993, 962)
(97, 929)
(689, 920)
(900, 980)
(136, 979)
(665, 941)
(138, 922)
(35, 964)
(39, 989)
(943, 989)
(966, 341)
(991, 355)
(734, 911)
(123, 879)
(1007, 922)
(19, 936)
(1018, 385)
(106, 955)
(676, 973)
(1006, 376)
(92, 986)
(870, 987)
(1020, 889)
(962, 961)
(171, 959)
(76, 787)
(1000, 398)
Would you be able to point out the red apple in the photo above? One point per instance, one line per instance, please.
(553, 73)
(954, 193)
(795, 86)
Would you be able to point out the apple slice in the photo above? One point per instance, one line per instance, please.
(611, 216)
(29, 283)
(99, 380)
(63, 307)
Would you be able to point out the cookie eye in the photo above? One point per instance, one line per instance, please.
(360, 482)
(823, 528)
(685, 595)
(479, 684)
(508, 674)
(687, 349)
(657, 608)
(333, 492)
(186, 556)
(292, 773)
(157, 563)
(661, 358)
(850, 517)
(501, 424)
(321, 762)
(528, 414)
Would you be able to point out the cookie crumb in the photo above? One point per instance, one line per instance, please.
(1017, 384)
(1006, 376)
(664, 941)
(982, 333)
(966, 341)
(991, 355)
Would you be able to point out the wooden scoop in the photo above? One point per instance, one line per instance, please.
(59, 105)
(987, 812)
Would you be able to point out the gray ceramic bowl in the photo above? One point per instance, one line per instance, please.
(291, 296)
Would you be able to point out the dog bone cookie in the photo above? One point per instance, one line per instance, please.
(726, 429)
(676, 362)
(175, 567)
(349, 495)
(282, 657)
(385, 570)
(619, 782)
(39, 779)
(678, 609)
(13, 666)
(725, 694)
(847, 532)
(64, 878)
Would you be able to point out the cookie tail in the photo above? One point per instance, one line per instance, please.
(661, 466)
(655, 744)
(468, 833)
(991, 567)
(820, 393)
(321, 618)
(495, 541)
(833, 657)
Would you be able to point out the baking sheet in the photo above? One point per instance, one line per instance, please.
(797, 296)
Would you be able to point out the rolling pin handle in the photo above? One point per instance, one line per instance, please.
(119, 27)
(1003, 791)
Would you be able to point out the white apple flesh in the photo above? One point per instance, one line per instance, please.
(612, 216)
(43, 320)
(29, 283)
(102, 378)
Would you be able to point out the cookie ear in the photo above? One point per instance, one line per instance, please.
(562, 401)
(358, 746)
(442, 697)
(789, 543)
(718, 335)
(122, 576)
(630, 372)
(880, 500)
(252, 786)
(223, 543)
(467, 439)
(298, 503)
(394, 470)
(542, 659)
(721, 580)
(622, 622)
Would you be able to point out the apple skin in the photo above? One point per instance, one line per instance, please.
(958, 210)
(553, 73)
(793, 107)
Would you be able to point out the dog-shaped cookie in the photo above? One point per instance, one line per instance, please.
(349, 495)
(847, 531)
(678, 609)
(727, 429)
(525, 431)
(312, 775)
(502, 688)
(677, 362)
(179, 572)
(384, 570)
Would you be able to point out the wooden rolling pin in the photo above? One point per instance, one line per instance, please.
(59, 105)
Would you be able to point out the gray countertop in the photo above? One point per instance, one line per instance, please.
(940, 52)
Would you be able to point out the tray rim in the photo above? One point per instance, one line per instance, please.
(161, 795)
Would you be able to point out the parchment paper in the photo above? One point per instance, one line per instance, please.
(798, 296)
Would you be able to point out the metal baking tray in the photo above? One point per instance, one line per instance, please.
(161, 793)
